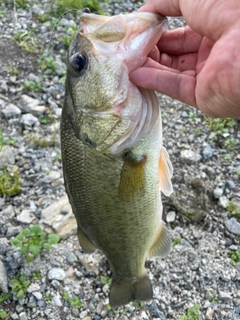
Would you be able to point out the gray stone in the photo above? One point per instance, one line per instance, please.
(184, 114)
(225, 296)
(30, 105)
(11, 111)
(233, 226)
(41, 303)
(171, 216)
(189, 156)
(56, 274)
(71, 258)
(23, 316)
(3, 245)
(3, 278)
(230, 184)
(237, 310)
(25, 217)
(207, 152)
(33, 287)
(209, 314)
(52, 176)
(185, 243)
(37, 295)
(63, 225)
(223, 201)
(218, 192)
(8, 214)
(6, 157)
(55, 284)
(28, 120)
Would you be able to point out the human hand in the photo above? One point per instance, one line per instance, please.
(199, 64)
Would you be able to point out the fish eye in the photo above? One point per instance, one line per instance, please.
(78, 62)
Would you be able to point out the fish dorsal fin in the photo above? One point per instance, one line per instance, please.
(165, 173)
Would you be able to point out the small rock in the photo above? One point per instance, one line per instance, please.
(171, 216)
(28, 120)
(71, 258)
(53, 175)
(23, 316)
(30, 105)
(25, 217)
(57, 300)
(209, 314)
(37, 295)
(63, 225)
(184, 242)
(223, 201)
(33, 287)
(6, 157)
(207, 152)
(3, 278)
(11, 111)
(56, 274)
(218, 192)
(55, 284)
(184, 114)
(189, 156)
(237, 310)
(123, 317)
(3, 245)
(233, 226)
(230, 184)
(41, 303)
(224, 296)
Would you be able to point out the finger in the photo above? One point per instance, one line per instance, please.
(179, 41)
(154, 54)
(179, 86)
(173, 64)
(164, 7)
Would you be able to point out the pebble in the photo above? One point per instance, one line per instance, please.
(57, 300)
(233, 226)
(171, 216)
(6, 156)
(207, 152)
(33, 287)
(11, 111)
(56, 274)
(223, 201)
(25, 216)
(3, 245)
(218, 192)
(224, 296)
(189, 156)
(23, 316)
(209, 314)
(37, 295)
(71, 258)
(3, 278)
(28, 120)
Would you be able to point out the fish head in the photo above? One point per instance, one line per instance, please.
(107, 107)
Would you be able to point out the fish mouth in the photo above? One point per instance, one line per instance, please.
(129, 37)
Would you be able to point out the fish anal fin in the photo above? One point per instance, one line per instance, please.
(122, 292)
(132, 180)
(165, 173)
(85, 243)
(162, 246)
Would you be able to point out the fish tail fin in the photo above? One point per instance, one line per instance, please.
(122, 292)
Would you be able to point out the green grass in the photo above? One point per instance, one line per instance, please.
(233, 207)
(93, 5)
(32, 241)
(3, 314)
(235, 256)
(20, 286)
(27, 40)
(105, 280)
(73, 301)
(10, 184)
(192, 313)
(34, 86)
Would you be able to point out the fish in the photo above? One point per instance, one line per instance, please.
(114, 163)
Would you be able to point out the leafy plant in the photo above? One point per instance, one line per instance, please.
(192, 313)
(32, 241)
(9, 181)
(5, 297)
(20, 286)
(49, 297)
(197, 131)
(73, 301)
(233, 207)
(2, 13)
(93, 5)
(4, 142)
(238, 171)
(3, 314)
(22, 3)
(176, 241)
(214, 298)
(27, 40)
(32, 85)
(45, 119)
(227, 157)
(105, 280)
(47, 62)
(235, 256)
(37, 275)
(43, 142)
(192, 116)
(220, 126)
(229, 144)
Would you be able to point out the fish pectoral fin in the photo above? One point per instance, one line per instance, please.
(132, 180)
(122, 292)
(165, 173)
(162, 246)
(85, 243)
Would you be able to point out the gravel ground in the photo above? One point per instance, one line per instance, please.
(202, 214)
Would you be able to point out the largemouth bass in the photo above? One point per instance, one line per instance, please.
(114, 164)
